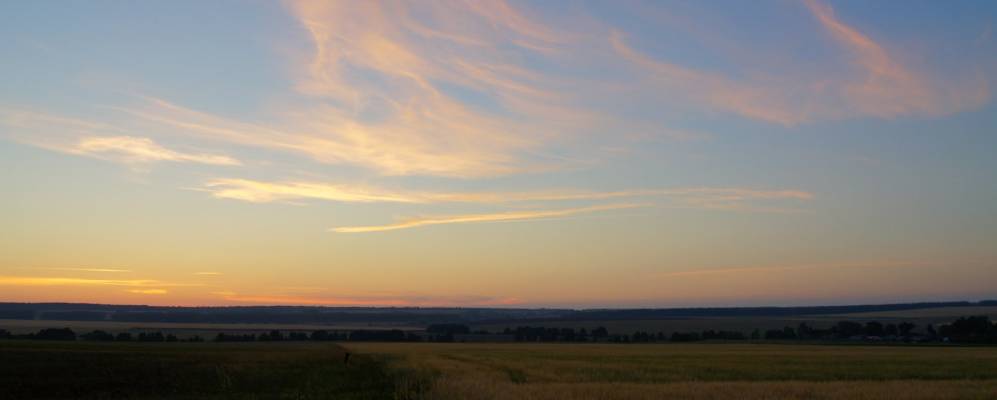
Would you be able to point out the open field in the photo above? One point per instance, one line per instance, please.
(937, 313)
(695, 371)
(72, 370)
(306, 370)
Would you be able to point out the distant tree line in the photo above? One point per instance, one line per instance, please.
(975, 329)
(872, 330)
(97, 336)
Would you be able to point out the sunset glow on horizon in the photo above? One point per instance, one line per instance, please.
(498, 154)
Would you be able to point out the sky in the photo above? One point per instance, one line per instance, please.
(577, 154)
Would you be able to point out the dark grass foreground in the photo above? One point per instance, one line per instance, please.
(78, 370)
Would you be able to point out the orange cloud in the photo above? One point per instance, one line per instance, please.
(414, 54)
(148, 291)
(64, 281)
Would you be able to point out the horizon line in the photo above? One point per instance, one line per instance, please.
(920, 302)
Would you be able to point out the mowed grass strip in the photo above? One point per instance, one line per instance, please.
(57, 370)
(543, 371)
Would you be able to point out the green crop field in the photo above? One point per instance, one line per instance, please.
(309, 370)
(694, 371)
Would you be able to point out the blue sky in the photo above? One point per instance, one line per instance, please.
(488, 153)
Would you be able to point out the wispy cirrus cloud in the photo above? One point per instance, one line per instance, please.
(333, 135)
(266, 192)
(396, 92)
(375, 94)
(130, 149)
(470, 90)
(872, 83)
(397, 89)
(96, 139)
(741, 199)
(888, 88)
(472, 218)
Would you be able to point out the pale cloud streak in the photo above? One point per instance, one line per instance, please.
(130, 149)
(740, 199)
(96, 139)
(266, 192)
(148, 291)
(472, 218)
(66, 281)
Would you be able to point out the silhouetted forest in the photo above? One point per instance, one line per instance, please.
(974, 329)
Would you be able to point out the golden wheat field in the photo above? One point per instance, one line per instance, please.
(686, 371)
